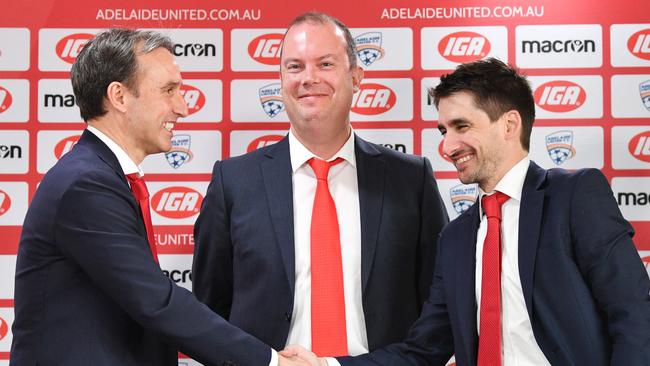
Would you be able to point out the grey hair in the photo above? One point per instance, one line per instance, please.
(110, 56)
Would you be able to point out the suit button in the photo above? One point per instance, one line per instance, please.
(287, 316)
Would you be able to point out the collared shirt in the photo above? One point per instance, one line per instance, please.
(519, 345)
(344, 189)
(127, 165)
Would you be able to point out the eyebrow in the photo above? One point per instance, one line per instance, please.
(453, 122)
(171, 84)
(295, 59)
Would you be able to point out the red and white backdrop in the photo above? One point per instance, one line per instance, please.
(589, 65)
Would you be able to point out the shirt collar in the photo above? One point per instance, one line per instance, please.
(300, 154)
(512, 182)
(128, 166)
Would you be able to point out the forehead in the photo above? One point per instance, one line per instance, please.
(310, 39)
(158, 66)
(460, 106)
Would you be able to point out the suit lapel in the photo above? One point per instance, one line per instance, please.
(91, 141)
(276, 173)
(370, 178)
(465, 281)
(530, 219)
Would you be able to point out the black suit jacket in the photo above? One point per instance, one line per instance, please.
(244, 241)
(585, 288)
(88, 291)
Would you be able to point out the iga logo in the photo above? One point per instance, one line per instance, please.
(262, 141)
(560, 146)
(560, 96)
(180, 152)
(5, 99)
(271, 99)
(266, 48)
(68, 48)
(65, 145)
(373, 99)
(4, 329)
(368, 47)
(639, 44)
(464, 47)
(639, 146)
(177, 202)
(194, 98)
(463, 196)
(5, 202)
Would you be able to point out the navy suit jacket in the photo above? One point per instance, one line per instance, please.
(244, 265)
(88, 291)
(585, 288)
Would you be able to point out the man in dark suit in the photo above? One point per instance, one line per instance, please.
(552, 275)
(255, 240)
(89, 290)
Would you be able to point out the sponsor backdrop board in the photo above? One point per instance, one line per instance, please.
(589, 68)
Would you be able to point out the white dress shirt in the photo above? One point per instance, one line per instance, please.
(519, 345)
(129, 167)
(344, 189)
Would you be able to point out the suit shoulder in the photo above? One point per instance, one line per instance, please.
(563, 177)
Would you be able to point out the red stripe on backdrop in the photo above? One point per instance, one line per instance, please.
(10, 238)
(6, 303)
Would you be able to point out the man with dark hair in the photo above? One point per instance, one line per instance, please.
(341, 262)
(542, 270)
(89, 290)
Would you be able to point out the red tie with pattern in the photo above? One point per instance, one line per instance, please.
(489, 342)
(328, 328)
(141, 194)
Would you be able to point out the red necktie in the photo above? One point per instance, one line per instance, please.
(489, 342)
(328, 329)
(141, 194)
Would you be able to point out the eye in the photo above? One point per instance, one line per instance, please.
(292, 66)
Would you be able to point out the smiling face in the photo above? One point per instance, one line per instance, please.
(475, 145)
(317, 81)
(152, 111)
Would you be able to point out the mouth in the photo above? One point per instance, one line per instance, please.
(169, 126)
(460, 159)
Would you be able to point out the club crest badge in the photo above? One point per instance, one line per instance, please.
(180, 152)
(463, 196)
(560, 146)
(644, 91)
(368, 46)
(271, 99)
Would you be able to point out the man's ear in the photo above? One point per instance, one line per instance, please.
(116, 96)
(513, 124)
(357, 77)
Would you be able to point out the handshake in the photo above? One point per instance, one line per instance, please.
(295, 355)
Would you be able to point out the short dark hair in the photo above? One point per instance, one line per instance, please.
(496, 87)
(322, 18)
(110, 56)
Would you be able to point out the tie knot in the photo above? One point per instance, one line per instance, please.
(322, 168)
(138, 186)
(492, 204)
